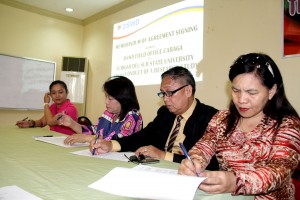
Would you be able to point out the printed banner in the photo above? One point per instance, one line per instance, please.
(291, 28)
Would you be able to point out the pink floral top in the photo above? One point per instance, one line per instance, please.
(263, 160)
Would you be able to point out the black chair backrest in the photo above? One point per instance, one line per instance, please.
(83, 120)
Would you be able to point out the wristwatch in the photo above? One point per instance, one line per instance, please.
(33, 123)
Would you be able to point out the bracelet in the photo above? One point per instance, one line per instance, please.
(46, 104)
(33, 123)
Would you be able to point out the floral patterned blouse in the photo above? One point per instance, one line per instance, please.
(131, 123)
(263, 160)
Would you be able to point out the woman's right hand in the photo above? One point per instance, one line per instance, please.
(65, 120)
(23, 124)
(189, 168)
(101, 146)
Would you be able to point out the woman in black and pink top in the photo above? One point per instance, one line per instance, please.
(58, 92)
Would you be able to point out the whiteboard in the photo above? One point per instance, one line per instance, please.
(24, 81)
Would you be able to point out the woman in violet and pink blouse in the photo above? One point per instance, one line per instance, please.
(120, 119)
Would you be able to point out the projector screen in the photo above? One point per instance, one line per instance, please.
(146, 46)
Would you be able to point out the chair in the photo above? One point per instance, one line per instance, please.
(83, 120)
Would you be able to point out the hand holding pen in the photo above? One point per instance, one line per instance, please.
(65, 121)
(96, 140)
(22, 123)
(187, 156)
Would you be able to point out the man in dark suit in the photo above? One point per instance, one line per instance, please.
(158, 139)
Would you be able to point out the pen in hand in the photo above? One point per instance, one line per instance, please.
(187, 155)
(97, 138)
(23, 120)
(59, 117)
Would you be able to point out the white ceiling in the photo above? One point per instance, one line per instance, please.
(82, 8)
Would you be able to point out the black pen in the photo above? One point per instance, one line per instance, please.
(24, 118)
(59, 117)
(187, 155)
(43, 136)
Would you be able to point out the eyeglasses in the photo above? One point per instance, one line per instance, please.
(141, 159)
(169, 93)
(134, 158)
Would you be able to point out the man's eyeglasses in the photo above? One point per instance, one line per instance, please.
(141, 159)
(169, 93)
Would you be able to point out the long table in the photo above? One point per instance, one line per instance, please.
(52, 172)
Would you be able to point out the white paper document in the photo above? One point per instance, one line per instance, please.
(147, 183)
(16, 193)
(111, 155)
(156, 169)
(59, 141)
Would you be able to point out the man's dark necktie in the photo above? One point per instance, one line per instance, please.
(174, 134)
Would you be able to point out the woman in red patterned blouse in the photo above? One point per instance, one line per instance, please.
(256, 141)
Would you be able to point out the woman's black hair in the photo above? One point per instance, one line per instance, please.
(63, 84)
(267, 71)
(123, 90)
